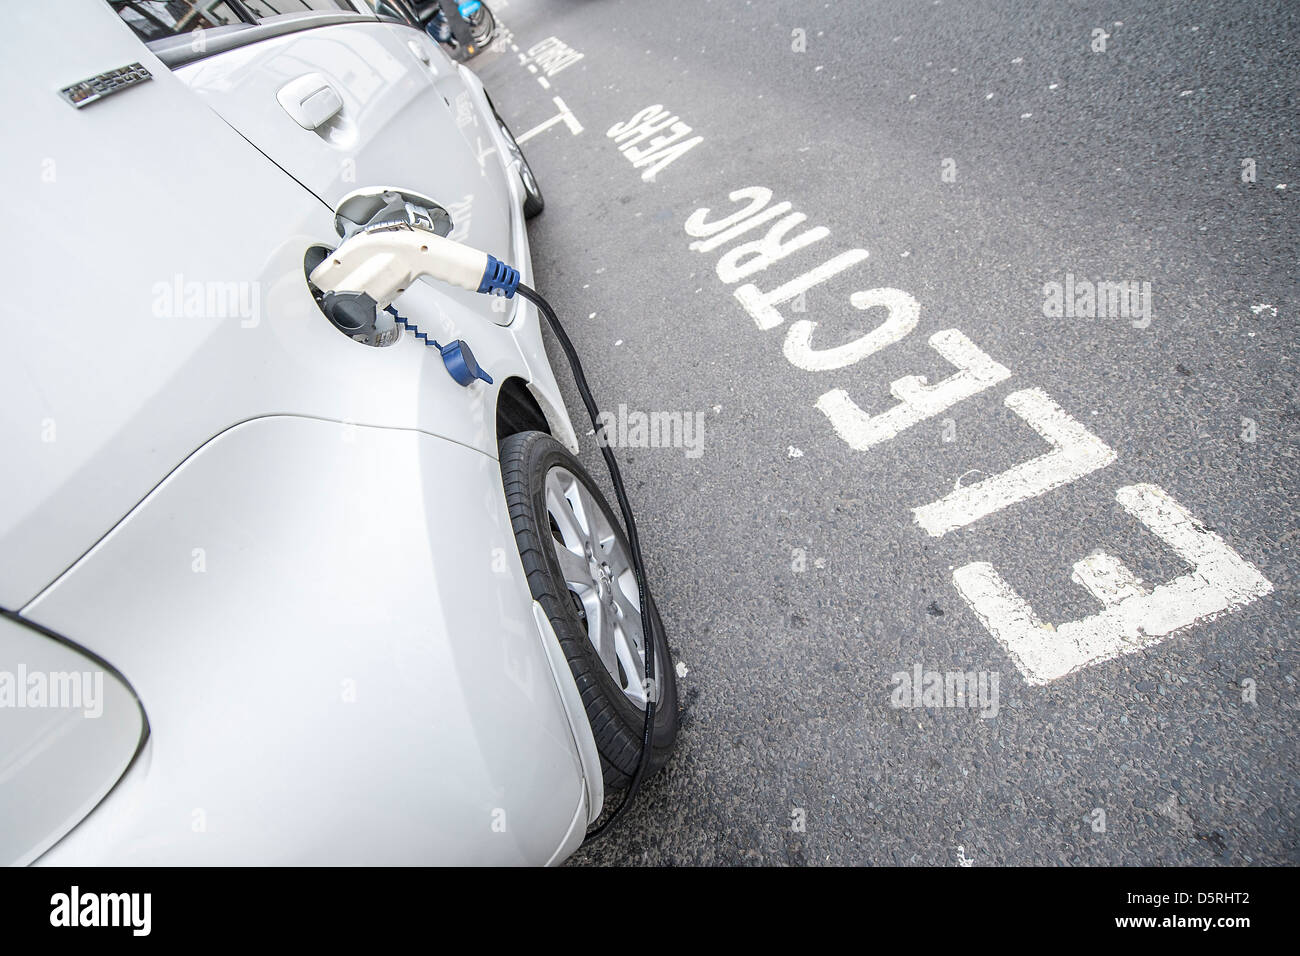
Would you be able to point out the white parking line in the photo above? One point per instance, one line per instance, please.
(565, 116)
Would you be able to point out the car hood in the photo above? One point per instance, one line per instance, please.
(156, 297)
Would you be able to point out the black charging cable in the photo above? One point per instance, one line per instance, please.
(648, 616)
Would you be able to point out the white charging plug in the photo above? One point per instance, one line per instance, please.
(383, 263)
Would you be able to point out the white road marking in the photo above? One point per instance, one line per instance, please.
(539, 128)
(755, 256)
(545, 83)
(1106, 578)
(697, 224)
(1131, 619)
(553, 55)
(565, 116)
(1075, 452)
(762, 305)
(917, 401)
(660, 151)
(706, 245)
(903, 312)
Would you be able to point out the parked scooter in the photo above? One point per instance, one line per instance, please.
(477, 26)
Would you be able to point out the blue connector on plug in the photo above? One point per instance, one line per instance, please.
(457, 357)
(499, 277)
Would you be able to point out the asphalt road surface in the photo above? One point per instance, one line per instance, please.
(1089, 505)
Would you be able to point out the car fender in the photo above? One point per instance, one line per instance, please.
(330, 632)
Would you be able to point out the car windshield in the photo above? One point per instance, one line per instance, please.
(165, 19)
(159, 19)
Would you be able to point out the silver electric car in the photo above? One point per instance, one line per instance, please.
(270, 593)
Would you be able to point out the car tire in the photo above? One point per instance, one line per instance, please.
(534, 203)
(537, 472)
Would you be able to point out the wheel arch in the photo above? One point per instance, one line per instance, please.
(518, 410)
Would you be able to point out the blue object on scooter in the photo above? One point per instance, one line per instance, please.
(469, 8)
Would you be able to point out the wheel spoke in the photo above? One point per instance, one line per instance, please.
(602, 532)
(606, 648)
(633, 663)
(597, 568)
(575, 535)
(582, 507)
(630, 607)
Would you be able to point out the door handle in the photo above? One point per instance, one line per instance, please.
(310, 100)
(420, 52)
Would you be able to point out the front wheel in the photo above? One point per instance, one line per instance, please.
(533, 201)
(579, 570)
